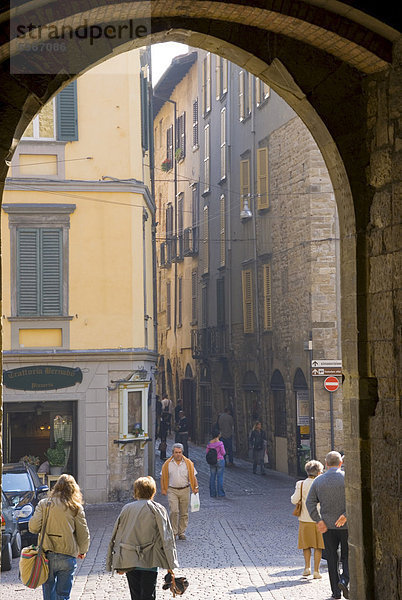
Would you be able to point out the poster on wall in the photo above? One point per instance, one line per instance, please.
(303, 408)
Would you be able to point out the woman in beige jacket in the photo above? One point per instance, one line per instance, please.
(309, 536)
(66, 536)
(142, 540)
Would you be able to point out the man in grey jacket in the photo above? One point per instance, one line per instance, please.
(329, 491)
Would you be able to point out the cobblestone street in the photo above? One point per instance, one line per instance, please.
(244, 545)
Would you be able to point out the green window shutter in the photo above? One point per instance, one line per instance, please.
(67, 117)
(144, 112)
(39, 272)
(51, 271)
(27, 272)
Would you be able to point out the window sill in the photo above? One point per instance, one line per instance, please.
(129, 440)
(49, 318)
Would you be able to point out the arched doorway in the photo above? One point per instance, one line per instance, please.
(189, 400)
(253, 410)
(339, 77)
(205, 404)
(280, 421)
(303, 420)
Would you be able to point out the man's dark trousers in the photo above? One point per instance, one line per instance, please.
(332, 539)
(228, 443)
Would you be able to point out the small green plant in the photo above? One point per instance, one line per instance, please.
(166, 165)
(57, 456)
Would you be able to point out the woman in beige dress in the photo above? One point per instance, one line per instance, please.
(309, 536)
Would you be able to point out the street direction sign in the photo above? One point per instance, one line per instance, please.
(323, 372)
(335, 363)
(331, 384)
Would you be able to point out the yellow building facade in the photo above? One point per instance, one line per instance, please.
(77, 223)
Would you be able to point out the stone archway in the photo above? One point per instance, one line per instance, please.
(340, 70)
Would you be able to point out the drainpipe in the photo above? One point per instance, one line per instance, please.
(144, 278)
(254, 218)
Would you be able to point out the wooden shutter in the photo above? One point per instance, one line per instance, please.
(39, 272)
(169, 145)
(222, 232)
(262, 178)
(223, 143)
(206, 159)
(220, 302)
(218, 76)
(67, 117)
(205, 254)
(194, 296)
(248, 301)
(180, 307)
(195, 124)
(168, 304)
(224, 75)
(267, 297)
(244, 181)
(51, 271)
(242, 111)
(208, 83)
(27, 272)
(250, 83)
(144, 111)
(182, 135)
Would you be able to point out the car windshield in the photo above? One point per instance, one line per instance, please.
(16, 482)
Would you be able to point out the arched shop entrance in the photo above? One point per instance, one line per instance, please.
(338, 64)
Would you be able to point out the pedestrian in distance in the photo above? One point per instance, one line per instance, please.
(182, 432)
(178, 476)
(164, 428)
(177, 409)
(66, 536)
(327, 507)
(167, 405)
(309, 536)
(142, 540)
(258, 442)
(225, 424)
(216, 450)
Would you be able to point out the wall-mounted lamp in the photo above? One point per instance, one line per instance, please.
(246, 212)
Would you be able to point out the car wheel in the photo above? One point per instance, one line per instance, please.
(16, 545)
(6, 556)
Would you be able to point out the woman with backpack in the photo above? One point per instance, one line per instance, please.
(215, 456)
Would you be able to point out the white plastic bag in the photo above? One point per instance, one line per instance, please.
(194, 502)
(266, 458)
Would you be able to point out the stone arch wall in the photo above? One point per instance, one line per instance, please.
(341, 71)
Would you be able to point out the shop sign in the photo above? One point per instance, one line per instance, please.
(40, 378)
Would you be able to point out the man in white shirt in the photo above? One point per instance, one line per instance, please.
(178, 476)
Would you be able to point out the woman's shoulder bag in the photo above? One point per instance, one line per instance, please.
(298, 508)
(34, 567)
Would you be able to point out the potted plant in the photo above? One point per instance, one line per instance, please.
(166, 165)
(56, 457)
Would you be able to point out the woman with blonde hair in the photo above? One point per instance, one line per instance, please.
(66, 536)
(142, 540)
(309, 536)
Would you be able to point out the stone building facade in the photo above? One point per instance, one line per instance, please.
(284, 249)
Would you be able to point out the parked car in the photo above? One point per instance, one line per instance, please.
(10, 534)
(23, 489)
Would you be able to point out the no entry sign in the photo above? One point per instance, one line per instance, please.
(331, 384)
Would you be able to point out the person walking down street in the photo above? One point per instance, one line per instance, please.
(182, 432)
(142, 540)
(327, 507)
(158, 414)
(177, 409)
(167, 405)
(178, 476)
(66, 536)
(258, 442)
(164, 428)
(309, 536)
(226, 423)
(217, 470)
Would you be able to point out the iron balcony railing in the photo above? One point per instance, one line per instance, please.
(208, 342)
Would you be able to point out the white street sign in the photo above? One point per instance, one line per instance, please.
(326, 363)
